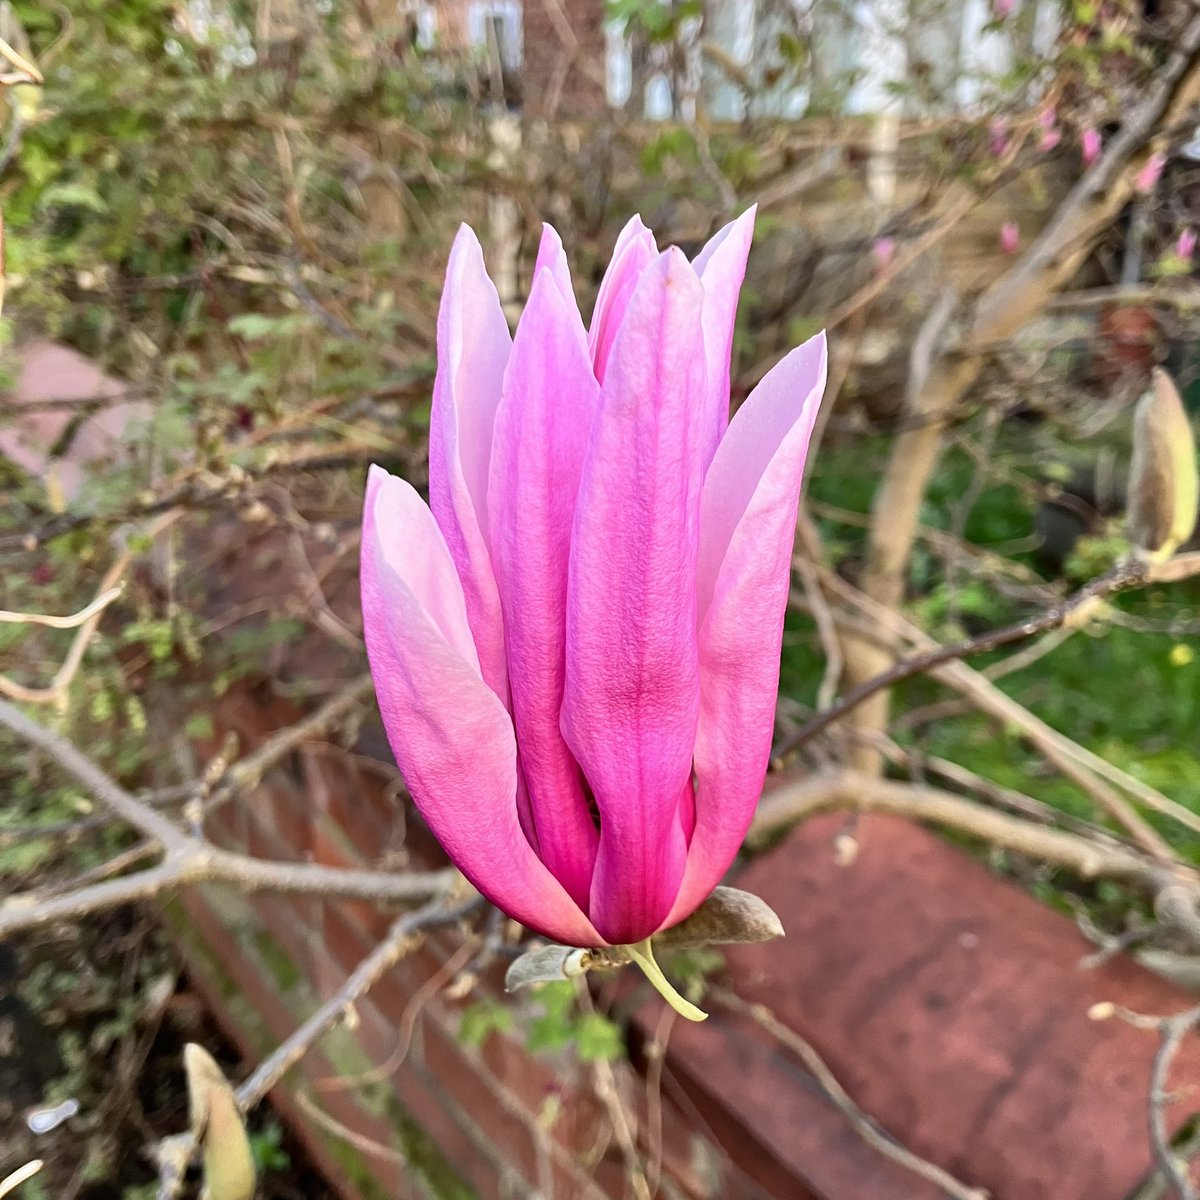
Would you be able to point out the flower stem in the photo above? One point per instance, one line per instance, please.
(643, 955)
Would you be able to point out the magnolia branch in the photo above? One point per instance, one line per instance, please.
(1175, 890)
(188, 859)
(1073, 611)
(1172, 1030)
(881, 625)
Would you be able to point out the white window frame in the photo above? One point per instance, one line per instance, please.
(511, 10)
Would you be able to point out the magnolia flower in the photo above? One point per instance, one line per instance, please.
(576, 644)
(1089, 145)
(1010, 237)
(1185, 244)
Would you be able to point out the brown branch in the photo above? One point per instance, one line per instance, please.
(1087, 770)
(1172, 1030)
(1126, 576)
(1175, 889)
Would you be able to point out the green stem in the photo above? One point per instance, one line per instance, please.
(643, 955)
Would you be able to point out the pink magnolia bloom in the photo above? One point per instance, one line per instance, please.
(1051, 134)
(997, 136)
(1090, 144)
(1146, 179)
(576, 644)
(1010, 237)
(1185, 244)
(883, 250)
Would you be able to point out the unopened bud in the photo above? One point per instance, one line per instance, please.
(218, 1126)
(1164, 489)
(1103, 1011)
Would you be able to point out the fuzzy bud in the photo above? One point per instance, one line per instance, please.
(1163, 486)
(218, 1126)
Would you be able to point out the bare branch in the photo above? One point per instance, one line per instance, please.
(1126, 576)
(188, 859)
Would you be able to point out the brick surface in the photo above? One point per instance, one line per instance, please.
(953, 1007)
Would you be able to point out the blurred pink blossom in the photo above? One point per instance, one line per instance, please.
(1003, 8)
(883, 251)
(1185, 244)
(1090, 143)
(1150, 174)
(997, 136)
(1010, 237)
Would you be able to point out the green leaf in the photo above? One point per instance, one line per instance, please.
(598, 1039)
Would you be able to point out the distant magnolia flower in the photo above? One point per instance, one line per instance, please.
(1147, 178)
(883, 250)
(1003, 8)
(1051, 134)
(1090, 144)
(997, 136)
(1010, 237)
(1185, 244)
(576, 644)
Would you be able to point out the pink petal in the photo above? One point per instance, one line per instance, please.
(632, 689)
(473, 348)
(721, 266)
(634, 251)
(747, 525)
(549, 400)
(449, 731)
(553, 258)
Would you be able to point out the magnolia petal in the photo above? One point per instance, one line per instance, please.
(748, 520)
(634, 252)
(553, 258)
(549, 400)
(721, 266)
(450, 733)
(473, 348)
(631, 698)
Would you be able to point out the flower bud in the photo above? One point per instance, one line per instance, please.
(1163, 484)
(218, 1126)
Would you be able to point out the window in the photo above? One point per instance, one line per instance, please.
(495, 27)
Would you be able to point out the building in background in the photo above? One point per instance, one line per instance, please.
(761, 58)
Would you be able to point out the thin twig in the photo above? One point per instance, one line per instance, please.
(1077, 763)
(1172, 1030)
(100, 603)
(865, 1126)
(1131, 574)
(402, 938)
